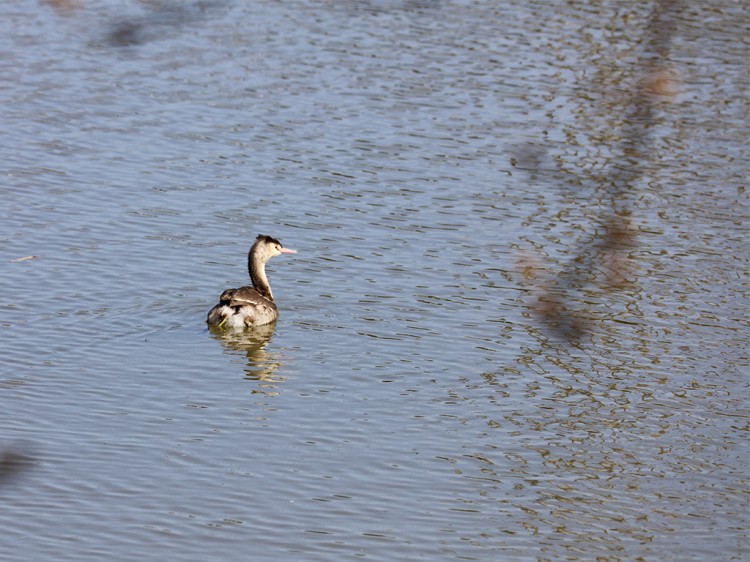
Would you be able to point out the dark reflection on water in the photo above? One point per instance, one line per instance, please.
(14, 462)
(159, 20)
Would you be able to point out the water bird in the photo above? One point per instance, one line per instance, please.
(250, 306)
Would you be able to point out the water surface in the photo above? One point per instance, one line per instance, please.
(440, 166)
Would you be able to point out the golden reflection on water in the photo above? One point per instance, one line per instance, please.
(604, 258)
(261, 364)
(598, 458)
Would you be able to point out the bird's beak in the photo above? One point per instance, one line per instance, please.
(287, 251)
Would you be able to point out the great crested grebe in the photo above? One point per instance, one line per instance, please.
(250, 306)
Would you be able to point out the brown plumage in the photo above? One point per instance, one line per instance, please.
(250, 306)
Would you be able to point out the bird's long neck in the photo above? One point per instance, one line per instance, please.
(257, 269)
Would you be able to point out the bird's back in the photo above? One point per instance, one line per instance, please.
(241, 307)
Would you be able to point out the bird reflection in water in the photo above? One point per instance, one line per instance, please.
(261, 363)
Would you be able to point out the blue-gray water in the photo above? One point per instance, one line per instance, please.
(435, 163)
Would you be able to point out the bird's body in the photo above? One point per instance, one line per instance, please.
(243, 307)
(250, 306)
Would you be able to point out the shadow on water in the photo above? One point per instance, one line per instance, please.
(261, 364)
(603, 259)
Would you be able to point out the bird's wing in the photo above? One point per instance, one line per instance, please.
(244, 296)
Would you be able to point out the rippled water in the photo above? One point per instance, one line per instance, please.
(434, 163)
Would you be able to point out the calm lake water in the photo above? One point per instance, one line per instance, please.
(443, 168)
